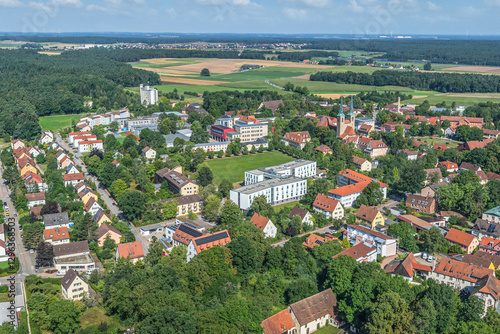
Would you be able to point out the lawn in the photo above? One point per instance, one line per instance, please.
(94, 316)
(286, 205)
(433, 141)
(54, 123)
(327, 330)
(234, 168)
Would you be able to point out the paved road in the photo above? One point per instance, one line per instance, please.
(276, 86)
(110, 202)
(26, 260)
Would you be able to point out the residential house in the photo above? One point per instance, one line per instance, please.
(324, 149)
(132, 250)
(351, 186)
(204, 242)
(328, 206)
(77, 140)
(492, 215)
(362, 164)
(450, 166)
(280, 323)
(65, 162)
(17, 144)
(430, 190)
(34, 182)
(73, 287)
(47, 137)
(410, 155)
(468, 166)
(75, 255)
(26, 165)
(73, 179)
(296, 139)
(491, 134)
(101, 217)
(369, 216)
(71, 169)
(56, 236)
(408, 268)
(90, 145)
(184, 233)
(487, 288)
(458, 274)
(417, 223)
(361, 252)
(35, 151)
(386, 245)
(273, 105)
(35, 199)
(104, 231)
(86, 194)
(470, 145)
(185, 204)
(80, 186)
(483, 259)
(366, 129)
(371, 147)
(433, 175)
(92, 206)
(177, 182)
(483, 228)
(306, 217)
(53, 220)
(493, 176)
(421, 204)
(490, 245)
(440, 147)
(265, 224)
(149, 153)
(312, 313)
(313, 240)
(466, 241)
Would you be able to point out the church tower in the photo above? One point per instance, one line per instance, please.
(341, 118)
(351, 114)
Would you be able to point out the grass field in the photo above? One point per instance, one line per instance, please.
(286, 205)
(433, 141)
(54, 123)
(327, 330)
(234, 168)
(94, 316)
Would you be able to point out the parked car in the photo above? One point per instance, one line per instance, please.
(89, 272)
(424, 256)
(61, 273)
(31, 251)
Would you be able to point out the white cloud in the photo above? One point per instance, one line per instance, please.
(316, 3)
(55, 3)
(295, 13)
(432, 6)
(355, 7)
(226, 2)
(69, 3)
(170, 11)
(10, 3)
(494, 3)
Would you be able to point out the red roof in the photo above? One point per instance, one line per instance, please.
(487, 241)
(459, 237)
(323, 149)
(132, 249)
(91, 142)
(325, 203)
(56, 234)
(461, 270)
(313, 240)
(204, 242)
(80, 133)
(297, 137)
(447, 165)
(72, 177)
(279, 323)
(358, 251)
(259, 221)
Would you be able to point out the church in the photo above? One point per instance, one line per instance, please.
(345, 126)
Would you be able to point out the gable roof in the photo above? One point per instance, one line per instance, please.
(358, 251)
(468, 166)
(204, 242)
(315, 307)
(358, 161)
(278, 323)
(488, 284)
(51, 219)
(55, 234)
(35, 197)
(73, 177)
(461, 270)
(69, 278)
(323, 148)
(259, 221)
(273, 105)
(313, 240)
(132, 249)
(406, 267)
(482, 259)
(185, 233)
(431, 171)
(298, 211)
(367, 213)
(104, 229)
(297, 137)
(71, 248)
(326, 203)
(459, 237)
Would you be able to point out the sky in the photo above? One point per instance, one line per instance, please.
(356, 17)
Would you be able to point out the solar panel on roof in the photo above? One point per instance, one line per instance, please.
(491, 228)
(318, 242)
(192, 232)
(211, 238)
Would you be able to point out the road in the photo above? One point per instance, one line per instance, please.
(110, 202)
(26, 260)
(275, 86)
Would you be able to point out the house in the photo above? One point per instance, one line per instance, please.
(407, 268)
(487, 288)
(483, 259)
(306, 217)
(440, 147)
(265, 224)
(72, 135)
(458, 274)
(362, 164)
(149, 153)
(490, 245)
(352, 185)
(328, 206)
(74, 255)
(204, 242)
(132, 250)
(177, 182)
(483, 228)
(34, 182)
(366, 129)
(430, 190)
(17, 144)
(26, 164)
(421, 204)
(73, 286)
(35, 199)
(35, 151)
(417, 223)
(90, 145)
(466, 241)
(80, 186)
(56, 236)
(386, 245)
(116, 163)
(324, 149)
(361, 252)
(273, 105)
(371, 147)
(92, 206)
(369, 216)
(491, 134)
(410, 155)
(79, 139)
(53, 220)
(71, 169)
(185, 204)
(86, 194)
(468, 166)
(280, 323)
(65, 162)
(492, 215)
(104, 231)
(493, 176)
(72, 179)
(296, 139)
(450, 166)
(470, 145)
(313, 240)
(312, 313)
(47, 137)
(433, 175)
(101, 217)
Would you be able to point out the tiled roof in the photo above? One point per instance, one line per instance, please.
(313, 240)
(72, 177)
(490, 242)
(68, 278)
(58, 233)
(105, 228)
(459, 237)
(358, 251)
(297, 137)
(279, 323)
(35, 197)
(184, 234)
(488, 284)
(315, 307)
(461, 270)
(482, 259)
(367, 213)
(324, 149)
(468, 166)
(132, 249)
(440, 147)
(259, 221)
(71, 248)
(431, 171)
(447, 165)
(325, 203)
(358, 161)
(298, 211)
(204, 242)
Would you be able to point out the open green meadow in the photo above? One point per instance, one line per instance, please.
(54, 123)
(234, 168)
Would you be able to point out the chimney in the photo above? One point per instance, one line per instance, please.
(399, 104)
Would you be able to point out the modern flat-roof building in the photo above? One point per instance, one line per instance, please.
(246, 128)
(298, 168)
(386, 246)
(75, 255)
(276, 191)
(149, 95)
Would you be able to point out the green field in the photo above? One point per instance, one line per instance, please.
(54, 123)
(234, 168)
(433, 141)
(286, 205)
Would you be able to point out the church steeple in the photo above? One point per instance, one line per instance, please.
(351, 111)
(341, 109)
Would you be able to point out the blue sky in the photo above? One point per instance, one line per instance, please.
(253, 16)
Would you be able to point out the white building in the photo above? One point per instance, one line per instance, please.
(276, 191)
(73, 286)
(47, 137)
(149, 95)
(298, 168)
(89, 146)
(265, 224)
(352, 185)
(386, 246)
(78, 139)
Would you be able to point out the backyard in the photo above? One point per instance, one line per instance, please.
(54, 123)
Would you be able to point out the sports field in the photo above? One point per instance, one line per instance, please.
(234, 168)
(54, 123)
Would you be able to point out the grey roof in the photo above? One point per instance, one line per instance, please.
(53, 219)
(68, 279)
(184, 199)
(170, 138)
(71, 248)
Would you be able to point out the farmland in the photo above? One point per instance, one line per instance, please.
(234, 168)
(55, 123)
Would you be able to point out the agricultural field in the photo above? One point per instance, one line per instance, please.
(55, 123)
(234, 168)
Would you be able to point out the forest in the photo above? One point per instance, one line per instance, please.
(441, 82)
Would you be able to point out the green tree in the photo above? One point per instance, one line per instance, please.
(132, 203)
(64, 316)
(211, 207)
(433, 240)
(170, 209)
(118, 187)
(389, 314)
(373, 193)
(260, 204)
(226, 186)
(33, 234)
(205, 176)
(168, 320)
(230, 214)
(345, 243)
(411, 178)
(205, 72)
(425, 316)
(246, 256)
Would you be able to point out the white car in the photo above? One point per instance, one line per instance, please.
(89, 272)
(424, 256)
(31, 251)
(61, 273)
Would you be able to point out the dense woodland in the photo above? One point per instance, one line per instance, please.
(441, 82)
